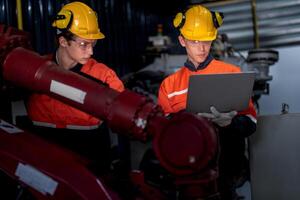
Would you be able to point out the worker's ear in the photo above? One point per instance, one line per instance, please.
(181, 40)
(62, 41)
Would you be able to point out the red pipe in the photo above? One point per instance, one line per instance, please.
(48, 170)
(125, 112)
(185, 145)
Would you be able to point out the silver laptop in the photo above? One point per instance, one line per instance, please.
(226, 92)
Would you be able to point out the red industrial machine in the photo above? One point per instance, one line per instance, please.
(185, 145)
(46, 170)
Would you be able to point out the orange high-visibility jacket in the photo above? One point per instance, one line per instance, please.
(46, 111)
(172, 94)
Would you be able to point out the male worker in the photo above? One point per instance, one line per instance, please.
(198, 28)
(77, 33)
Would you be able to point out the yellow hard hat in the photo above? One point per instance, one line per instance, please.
(198, 23)
(79, 19)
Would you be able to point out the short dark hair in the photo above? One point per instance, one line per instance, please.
(66, 34)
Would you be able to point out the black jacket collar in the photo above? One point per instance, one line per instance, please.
(188, 64)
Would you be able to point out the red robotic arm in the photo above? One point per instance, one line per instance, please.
(185, 145)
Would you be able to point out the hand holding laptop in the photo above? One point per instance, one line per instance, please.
(221, 119)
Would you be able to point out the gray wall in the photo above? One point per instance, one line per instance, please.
(274, 158)
(285, 86)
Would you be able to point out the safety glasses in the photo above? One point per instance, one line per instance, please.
(84, 45)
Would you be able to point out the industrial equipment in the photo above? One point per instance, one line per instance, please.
(168, 59)
(185, 145)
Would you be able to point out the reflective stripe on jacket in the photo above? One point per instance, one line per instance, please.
(43, 109)
(172, 94)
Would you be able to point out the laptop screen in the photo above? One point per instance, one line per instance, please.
(226, 92)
